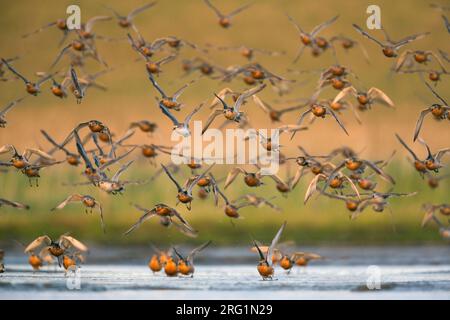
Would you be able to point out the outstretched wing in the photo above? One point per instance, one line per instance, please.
(37, 243)
(403, 143)
(240, 9)
(337, 119)
(68, 241)
(275, 241)
(419, 123)
(191, 256)
(166, 112)
(246, 95)
(322, 26)
(156, 85)
(211, 6)
(10, 106)
(312, 187)
(179, 188)
(93, 20)
(377, 93)
(409, 39)
(71, 198)
(232, 175)
(368, 36)
(13, 204)
(344, 92)
(122, 169)
(147, 215)
(136, 11)
(14, 71)
(436, 94)
(211, 118)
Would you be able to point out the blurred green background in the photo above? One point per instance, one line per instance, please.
(130, 97)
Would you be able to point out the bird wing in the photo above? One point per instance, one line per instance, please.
(211, 118)
(29, 151)
(377, 93)
(247, 94)
(136, 11)
(191, 114)
(71, 198)
(13, 204)
(14, 71)
(179, 188)
(10, 106)
(337, 119)
(436, 94)
(93, 20)
(406, 147)
(117, 159)
(261, 254)
(232, 175)
(68, 241)
(155, 84)
(322, 26)
(379, 171)
(37, 243)
(409, 39)
(194, 182)
(211, 6)
(147, 215)
(312, 187)
(166, 112)
(275, 241)
(240, 9)
(419, 123)
(220, 96)
(402, 59)
(122, 169)
(368, 36)
(191, 256)
(344, 92)
(102, 221)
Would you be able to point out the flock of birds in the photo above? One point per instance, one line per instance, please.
(341, 175)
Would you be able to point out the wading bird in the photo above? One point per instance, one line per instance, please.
(185, 265)
(265, 268)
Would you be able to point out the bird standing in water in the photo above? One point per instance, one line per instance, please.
(265, 268)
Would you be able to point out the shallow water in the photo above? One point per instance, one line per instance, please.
(404, 273)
